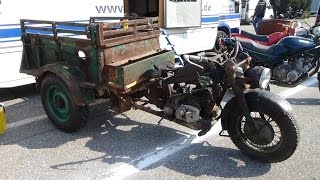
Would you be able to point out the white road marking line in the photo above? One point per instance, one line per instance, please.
(14, 101)
(160, 153)
(312, 80)
(26, 121)
(147, 160)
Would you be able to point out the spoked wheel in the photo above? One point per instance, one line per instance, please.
(59, 106)
(265, 138)
(272, 137)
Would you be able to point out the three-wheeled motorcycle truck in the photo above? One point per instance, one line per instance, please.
(77, 63)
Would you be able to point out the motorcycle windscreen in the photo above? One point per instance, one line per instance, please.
(182, 13)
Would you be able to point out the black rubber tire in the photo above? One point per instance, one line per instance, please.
(285, 121)
(77, 115)
(268, 88)
(216, 47)
(318, 76)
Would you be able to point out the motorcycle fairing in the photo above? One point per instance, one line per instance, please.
(272, 55)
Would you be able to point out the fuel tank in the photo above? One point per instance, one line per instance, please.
(292, 45)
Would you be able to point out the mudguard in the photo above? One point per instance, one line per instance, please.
(67, 74)
(258, 95)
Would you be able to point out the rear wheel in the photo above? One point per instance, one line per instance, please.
(59, 106)
(275, 140)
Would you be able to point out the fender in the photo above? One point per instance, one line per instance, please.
(224, 27)
(258, 95)
(65, 72)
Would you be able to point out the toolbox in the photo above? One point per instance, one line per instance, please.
(2, 119)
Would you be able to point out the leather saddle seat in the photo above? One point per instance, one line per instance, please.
(263, 38)
(254, 46)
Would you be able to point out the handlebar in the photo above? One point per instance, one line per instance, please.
(236, 49)
(190, 58)
(194, 59)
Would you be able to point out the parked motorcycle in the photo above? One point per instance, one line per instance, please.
(289, 29)
(260, 123)
(293, 13)
(292, 59)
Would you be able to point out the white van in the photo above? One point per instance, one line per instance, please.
(248, 7)
(314, 7)
(188, 25)
(11, 11)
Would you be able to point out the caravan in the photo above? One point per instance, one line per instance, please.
(187, 25)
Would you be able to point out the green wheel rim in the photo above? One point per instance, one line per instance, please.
(58, 103)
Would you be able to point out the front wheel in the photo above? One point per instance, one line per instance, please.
(59, 106)
(275, 139)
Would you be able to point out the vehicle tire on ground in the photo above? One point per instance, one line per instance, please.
(318, 76)
(59, 106)
(216, 47)
(278, 137)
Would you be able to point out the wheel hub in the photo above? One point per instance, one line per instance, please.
(58, 103)
(263, 135)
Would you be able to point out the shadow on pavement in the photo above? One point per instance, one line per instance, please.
(121, 140)
(7, 94)
(204, 159)
(304, 101)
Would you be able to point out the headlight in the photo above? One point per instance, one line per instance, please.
(265, 78)
(239, 72)
(259, 77)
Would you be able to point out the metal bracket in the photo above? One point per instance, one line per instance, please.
(224, 133)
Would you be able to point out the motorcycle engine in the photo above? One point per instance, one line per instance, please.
(191, 107)
(188, 113)
(290, 71)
